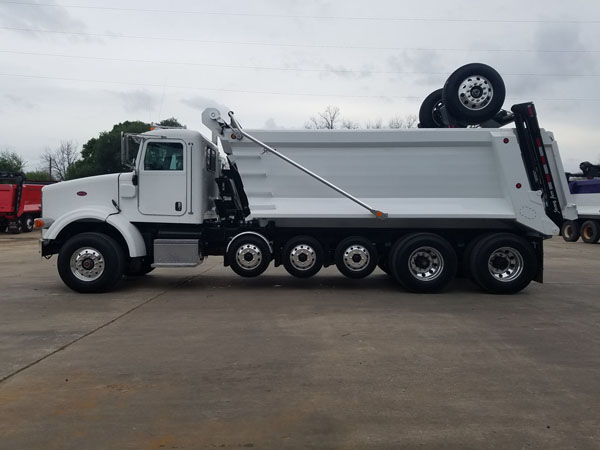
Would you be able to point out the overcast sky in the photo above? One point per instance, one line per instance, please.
(276, 63)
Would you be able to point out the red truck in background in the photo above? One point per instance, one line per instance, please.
(20, 202)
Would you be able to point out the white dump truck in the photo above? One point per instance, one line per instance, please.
(585, 193)
(424, 204)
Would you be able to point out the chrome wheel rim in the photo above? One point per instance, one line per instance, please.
(505, 264)
(426, 263)
(356, 258)
(248, 256)
(475, 92)
(87, 264)
(303, 257)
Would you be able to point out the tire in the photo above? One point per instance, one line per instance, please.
(27, 223)
(430, 114)
(503, 263)
(423, 262)
(302, 256)
(138, 268)
(590, 231)
(356, 257)
(570, 231)
(249, 255)
(3, 227)
(474, 93)
(91, 262)
(15, 227)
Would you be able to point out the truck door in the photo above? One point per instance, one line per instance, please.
(162, 178)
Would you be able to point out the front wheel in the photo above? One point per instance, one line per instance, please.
(503, 263)
(91, 262)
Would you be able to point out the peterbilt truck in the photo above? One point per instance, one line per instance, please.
(423, 204)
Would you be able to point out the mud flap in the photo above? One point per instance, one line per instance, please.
(539, 253)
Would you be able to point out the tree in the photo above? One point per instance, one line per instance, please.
(328, 119)
(11, 162)
(374, 125)
(103, 154)
(350, 124)
(60, 160)
(37, 175)
(170, 122)
(409, 121)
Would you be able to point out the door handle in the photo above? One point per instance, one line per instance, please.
(177, 206)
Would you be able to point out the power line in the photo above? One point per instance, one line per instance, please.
(271, 44)
(270, 68)
(304, 17)
(241, 91)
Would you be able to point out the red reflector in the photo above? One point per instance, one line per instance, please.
(82, 193)
(530, 109)
(543, 160)
(506, 140)
(518, 185)
(548, 177)
(538, 142)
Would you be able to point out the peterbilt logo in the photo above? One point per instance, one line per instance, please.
(82, 193)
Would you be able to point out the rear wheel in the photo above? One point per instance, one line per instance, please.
(356, 257)
(249, 255)
(423, 262)
(27, 223)
(91, 262)
(474, 93)
(302, 256)
(570, 231)
(590, 231)
(503, 263)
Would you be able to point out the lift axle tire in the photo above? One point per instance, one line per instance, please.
(503, 263)
(356, 257)
(302, 256)
(423, 262)
(430, 114)
(590, 231)
(91, 262)
(249, 255)
(474, 93)
(570, 231)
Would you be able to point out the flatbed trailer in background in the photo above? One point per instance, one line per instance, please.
(585, 194)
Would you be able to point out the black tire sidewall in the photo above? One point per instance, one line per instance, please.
(574, 226)
(479, 263)
(113, 267)
(319, 252)
(403, 249)
(595, 231)
(426, 119)
(368, 269)
(24, 224)
(455, 107)
(254, 240)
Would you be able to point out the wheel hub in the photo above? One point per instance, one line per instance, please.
(475, 92)
(303, 257)
(505, 264)
(248, 256)
(87, 264)
(356, 257)
(426, 263)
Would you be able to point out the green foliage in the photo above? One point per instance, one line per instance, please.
(170, 122)
(37, 175)
(102, 155)
(11, 162)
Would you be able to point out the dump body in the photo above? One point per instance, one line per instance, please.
(454, 176)
(31, 200)
(586, 195)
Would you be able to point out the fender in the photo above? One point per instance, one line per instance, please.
(131, 235)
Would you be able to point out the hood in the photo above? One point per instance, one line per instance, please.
(66, 196)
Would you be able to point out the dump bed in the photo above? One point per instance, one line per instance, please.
(452, 175)
(7, 198)
(30, 200)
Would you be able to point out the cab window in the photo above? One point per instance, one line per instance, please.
(163, 156)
